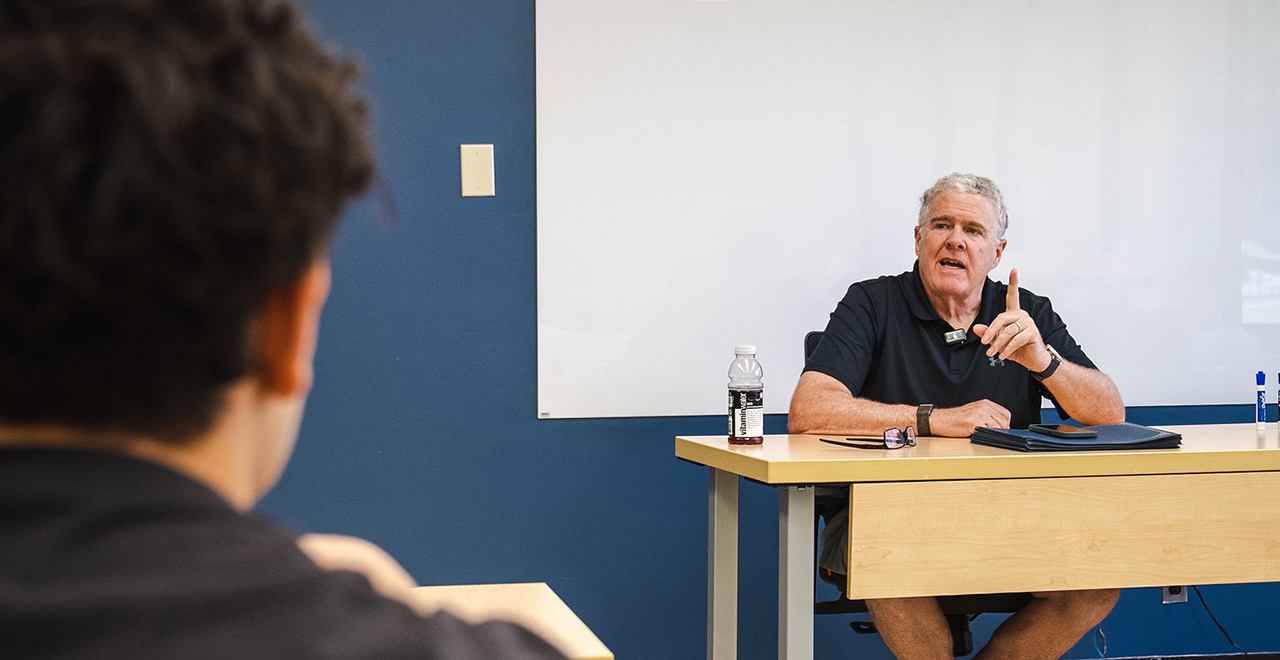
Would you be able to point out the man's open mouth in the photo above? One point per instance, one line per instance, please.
(951, 263)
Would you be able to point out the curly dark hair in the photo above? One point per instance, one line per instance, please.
(164, 166)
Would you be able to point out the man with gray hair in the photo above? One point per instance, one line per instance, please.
(944, 349)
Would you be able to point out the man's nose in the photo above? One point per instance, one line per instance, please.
(955, 239)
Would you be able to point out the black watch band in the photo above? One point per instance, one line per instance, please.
(1054, 361)
(922, 419)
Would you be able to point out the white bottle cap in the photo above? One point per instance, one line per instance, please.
(744, 349)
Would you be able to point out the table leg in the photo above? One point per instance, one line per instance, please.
(722, 567)
(795, 572)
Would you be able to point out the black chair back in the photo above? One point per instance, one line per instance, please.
(811, 342)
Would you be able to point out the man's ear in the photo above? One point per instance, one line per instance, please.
(290, 327)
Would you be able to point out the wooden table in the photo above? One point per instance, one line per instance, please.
(533, 605)
(987, 520)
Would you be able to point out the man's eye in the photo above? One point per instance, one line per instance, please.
(974, 230)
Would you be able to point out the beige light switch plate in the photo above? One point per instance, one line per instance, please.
(477, 170)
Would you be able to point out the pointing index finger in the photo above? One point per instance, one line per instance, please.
(1011, 298)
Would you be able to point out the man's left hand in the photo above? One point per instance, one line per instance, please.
(1013, 335)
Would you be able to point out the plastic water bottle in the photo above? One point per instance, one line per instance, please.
(746, 398)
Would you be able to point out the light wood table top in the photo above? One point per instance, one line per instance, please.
(803, 459)
(533, 605)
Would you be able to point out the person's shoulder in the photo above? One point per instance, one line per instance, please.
(889, 280)
(340, 616)
(454, 638)
(882, 284)
(1028, 299)
(1040, 308)
(368, 625)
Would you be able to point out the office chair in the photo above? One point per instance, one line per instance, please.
(960, 611)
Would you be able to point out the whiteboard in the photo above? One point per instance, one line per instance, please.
(713, 173)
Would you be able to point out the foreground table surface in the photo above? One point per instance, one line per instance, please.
(987, 520)
(533, 605)
(804, 459)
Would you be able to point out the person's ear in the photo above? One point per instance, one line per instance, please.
(290, 328)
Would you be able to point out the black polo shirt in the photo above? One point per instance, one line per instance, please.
(886, 343)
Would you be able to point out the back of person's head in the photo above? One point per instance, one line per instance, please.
(164, 166)
(967, 184)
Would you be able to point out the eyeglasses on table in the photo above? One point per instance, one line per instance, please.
(893, 439)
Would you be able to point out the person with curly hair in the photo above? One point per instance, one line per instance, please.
(171, 176)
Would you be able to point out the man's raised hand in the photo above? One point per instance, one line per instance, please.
(1013, 335)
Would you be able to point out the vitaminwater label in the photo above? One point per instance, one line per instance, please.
(746, 413)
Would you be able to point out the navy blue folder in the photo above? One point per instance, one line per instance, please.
(1110, 436)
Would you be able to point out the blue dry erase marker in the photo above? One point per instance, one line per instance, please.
(1262, 400)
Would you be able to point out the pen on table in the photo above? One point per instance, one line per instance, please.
(1262, 400)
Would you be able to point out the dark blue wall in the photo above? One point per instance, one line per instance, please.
(422, 435)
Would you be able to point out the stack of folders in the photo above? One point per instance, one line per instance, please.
(1110, 436)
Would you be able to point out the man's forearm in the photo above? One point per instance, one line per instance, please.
(1087, 395)
(848, 416)
(822, 404)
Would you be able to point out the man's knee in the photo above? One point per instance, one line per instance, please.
(898, 611)
(1101, 602)
(912, 627)
(1089, 606)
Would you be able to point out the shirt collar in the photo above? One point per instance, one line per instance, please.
(917, 299)
(992, 299)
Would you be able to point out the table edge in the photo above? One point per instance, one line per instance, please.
(1010, 465)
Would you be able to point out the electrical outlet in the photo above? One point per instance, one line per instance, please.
(1171, 595)
(477, 170)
